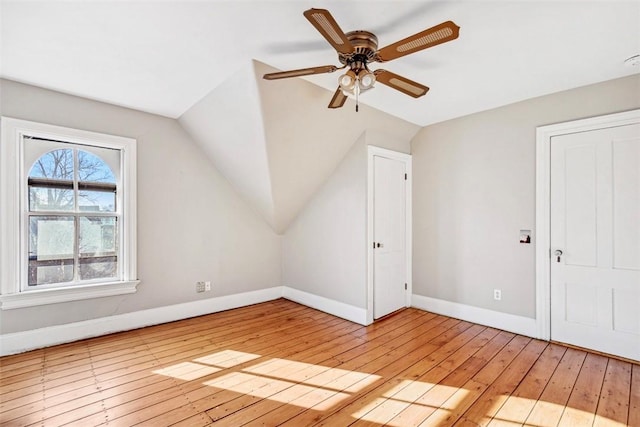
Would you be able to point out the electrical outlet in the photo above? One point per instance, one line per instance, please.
(200, 286)
(497, 294)
(207, 286)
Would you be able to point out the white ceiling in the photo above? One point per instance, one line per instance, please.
(275, 141)
(164, 56)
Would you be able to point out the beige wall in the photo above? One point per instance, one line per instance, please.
(474, 189)
(191, 224)
(325, 248)
(473, 181)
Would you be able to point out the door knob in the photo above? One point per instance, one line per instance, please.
(558, 254)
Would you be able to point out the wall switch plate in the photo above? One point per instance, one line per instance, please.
(200, 286)
(207, 286)
(497, 294)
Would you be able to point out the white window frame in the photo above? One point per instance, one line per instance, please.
(12, 241)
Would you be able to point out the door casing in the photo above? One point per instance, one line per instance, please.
(543, 203)
(373, 151)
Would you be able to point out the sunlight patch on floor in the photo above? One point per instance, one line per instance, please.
(454, 403)
(380, 410)
(408, 390)
(408, 402)
(287, 381)
(272, 389)
(319, 399)
(514, 410)
(227, 358)
(411, 399)
(306, 373)
(207, 365)
(187, 371)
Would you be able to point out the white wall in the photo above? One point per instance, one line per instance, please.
(474, 189)
(235, 143)
(325, 248)
(306, 140)
(191, 224)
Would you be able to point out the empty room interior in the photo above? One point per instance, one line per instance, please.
(326, 213)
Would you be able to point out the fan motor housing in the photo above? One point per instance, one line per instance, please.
(365, 45)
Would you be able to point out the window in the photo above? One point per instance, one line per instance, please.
(67, 216)
(72, 214)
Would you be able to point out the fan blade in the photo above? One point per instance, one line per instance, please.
(324, 22)
(403, 84)
(338, 99)
(442, 33)
(300, 72)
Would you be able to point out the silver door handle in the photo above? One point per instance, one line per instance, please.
(558, 254)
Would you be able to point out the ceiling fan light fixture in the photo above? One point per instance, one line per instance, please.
(347, 81)
(366, 79)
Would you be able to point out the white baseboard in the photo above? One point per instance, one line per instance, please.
(29, 340)
(336, 308)
(495, 319)
(19, 342)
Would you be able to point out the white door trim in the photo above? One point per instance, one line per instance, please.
(402, 157)
(543, 205)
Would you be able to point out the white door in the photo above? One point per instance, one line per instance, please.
(389, 236)
(595, 240)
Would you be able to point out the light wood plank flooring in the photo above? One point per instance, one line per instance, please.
(280, 363)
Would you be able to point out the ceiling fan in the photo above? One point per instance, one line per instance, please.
(357, 49)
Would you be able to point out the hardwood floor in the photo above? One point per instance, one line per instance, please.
(280, 363)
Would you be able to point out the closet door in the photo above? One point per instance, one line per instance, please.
(595, 240)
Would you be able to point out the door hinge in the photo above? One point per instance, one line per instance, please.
(405, 286)
(405, 176)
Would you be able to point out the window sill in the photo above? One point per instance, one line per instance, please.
(76, 293)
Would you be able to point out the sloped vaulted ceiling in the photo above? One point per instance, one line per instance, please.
(276, 141)
(227, 124)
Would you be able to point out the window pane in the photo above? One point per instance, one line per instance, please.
(50, 199)
(97, 184)
(51, 246)
(98, 236)
(51, 182)
(98, 267)
(96, 201)
(98, 247)
(92, 168)
(56, 164)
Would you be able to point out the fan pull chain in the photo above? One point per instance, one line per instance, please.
(357, 90)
